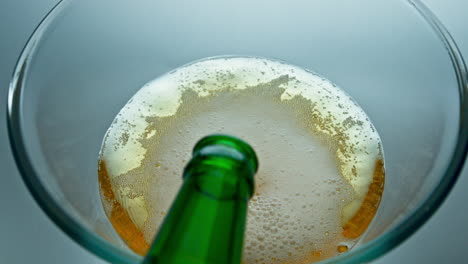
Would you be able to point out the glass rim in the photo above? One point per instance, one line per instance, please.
(109, 252)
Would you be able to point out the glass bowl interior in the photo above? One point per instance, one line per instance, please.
(87, 58)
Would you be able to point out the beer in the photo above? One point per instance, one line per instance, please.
(321, 173)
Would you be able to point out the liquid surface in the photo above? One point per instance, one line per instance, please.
(321, 171)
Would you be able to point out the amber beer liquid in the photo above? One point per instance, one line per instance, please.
(321, 176)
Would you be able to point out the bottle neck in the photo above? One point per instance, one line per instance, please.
(206, 222)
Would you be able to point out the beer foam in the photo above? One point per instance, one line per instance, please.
(317, 150)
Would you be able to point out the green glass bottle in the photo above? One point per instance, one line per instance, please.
(206, 222)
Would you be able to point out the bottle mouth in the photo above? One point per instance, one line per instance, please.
(223, 168)
(235, 146)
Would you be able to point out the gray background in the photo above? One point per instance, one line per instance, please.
(28, 236)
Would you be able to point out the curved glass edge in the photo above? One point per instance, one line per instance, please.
(46, 202)
(416, 219)
(366, 253)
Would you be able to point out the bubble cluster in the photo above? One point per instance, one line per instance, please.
(317, 152)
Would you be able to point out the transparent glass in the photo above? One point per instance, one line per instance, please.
(87, 58)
